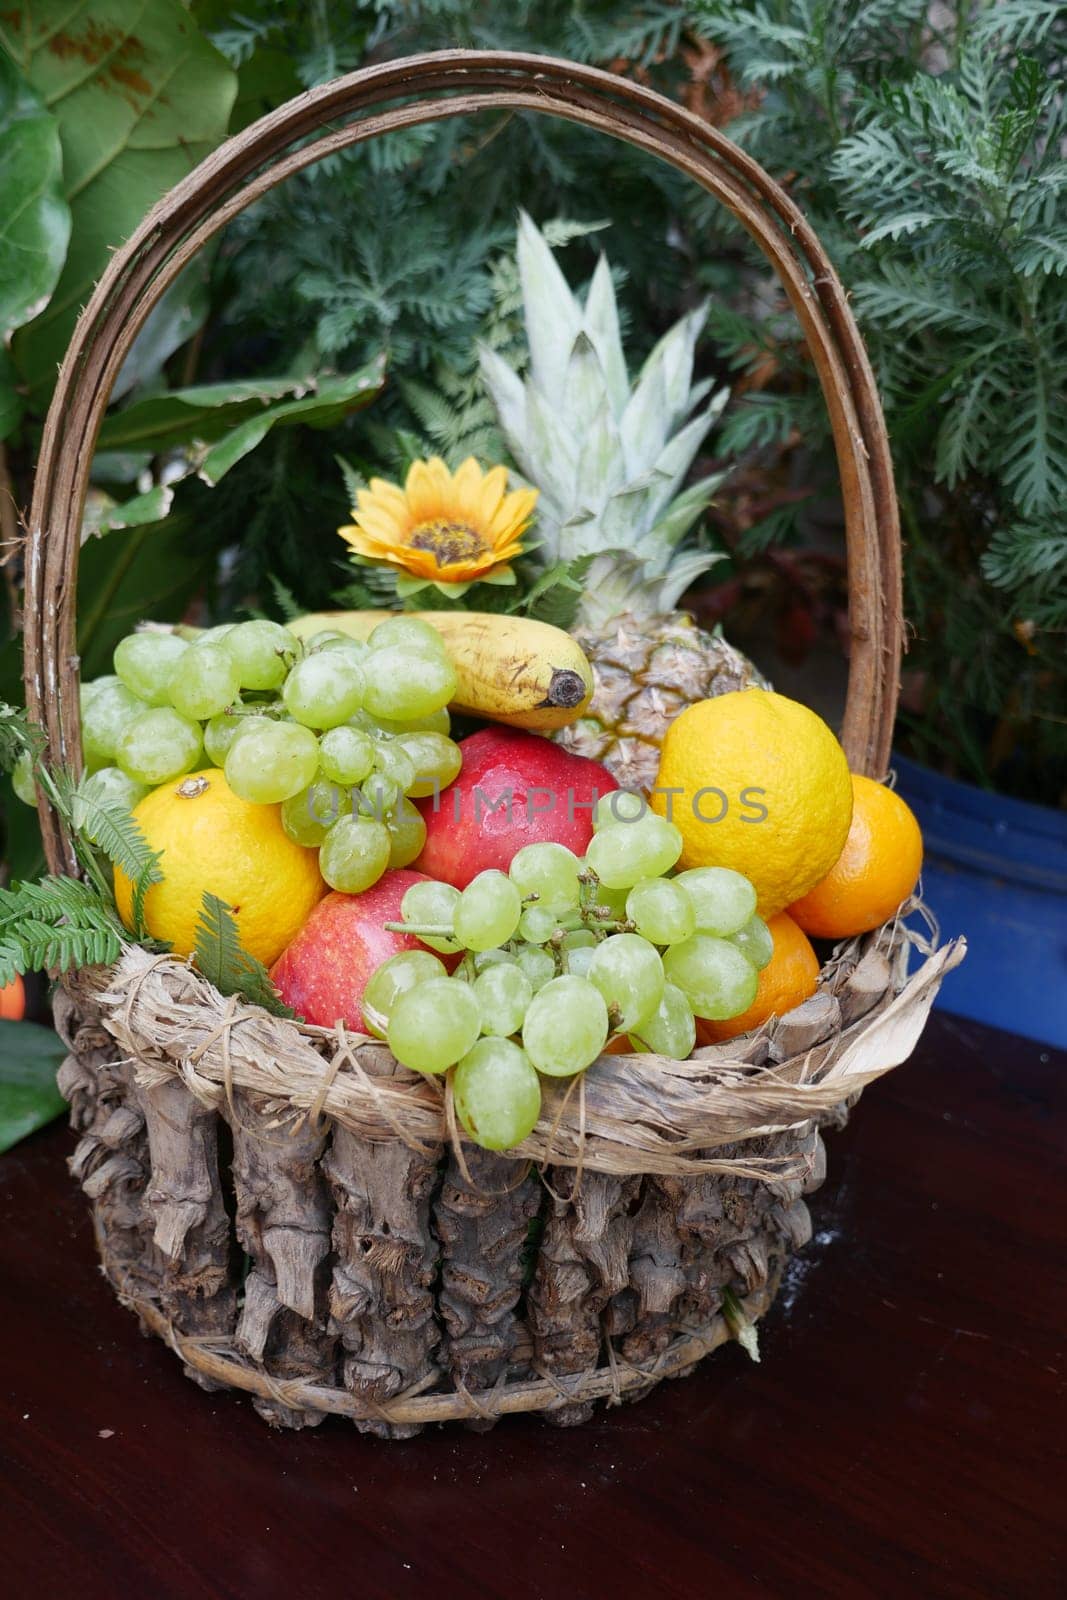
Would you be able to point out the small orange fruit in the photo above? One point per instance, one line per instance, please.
(789, 978)
(757, 782)
(875, 872)
(212, 841)
(13, 1000)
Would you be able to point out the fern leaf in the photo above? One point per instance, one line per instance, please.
(285, 599)
(17, 735)
(962, 438)
(225, 962)
(1034, 461)
(354, 480)
(1044, 252)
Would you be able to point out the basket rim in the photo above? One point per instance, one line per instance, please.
(627, 1114)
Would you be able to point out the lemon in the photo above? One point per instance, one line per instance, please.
(760, 784)
(213, 842)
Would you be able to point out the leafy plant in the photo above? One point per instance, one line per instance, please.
(223, 960)
(106, 68)
(927, 147)
(29, 1057)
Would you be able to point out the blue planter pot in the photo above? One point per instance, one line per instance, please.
(996, 870)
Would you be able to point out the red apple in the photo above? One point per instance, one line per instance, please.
(515, 788)
(323, 973)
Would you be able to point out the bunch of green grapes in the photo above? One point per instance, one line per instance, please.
(559, 955)
(343, 734)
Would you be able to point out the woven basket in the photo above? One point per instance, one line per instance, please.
(291, 1210)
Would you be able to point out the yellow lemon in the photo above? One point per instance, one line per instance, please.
(212, 842)
(757, 782)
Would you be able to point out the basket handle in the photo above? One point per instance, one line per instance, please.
(456, 83)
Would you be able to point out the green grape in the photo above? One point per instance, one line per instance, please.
(756, 941)
(346, 755)
(566, 1026)
(219, 734)
(437, 721)
(157, 746)
(579, 939)
(536, 925)
(579, 959)
(408, 633)
(629, 974)
(537, 964)
(307, 817)
(488, 911)
(204, 682)
(661, 911)
(87, 692)
(379, 796)
(611, 903)
(110, 710)
(429, 905)
(22, 779)
(407, 833)
(718, 981)
(402, 684)
(723, 901)
(619, 805)
(214, 635)
(110, 786)
(394, 762)
(548, 872)
(329, 639)
(434, 1024)
(436, 759)
(503, 992)
(498, 1094)
(623, 853)
(670, 1030)
(323, 691)
(271, 760)
(483, 959)
(145, 662)
(392, 979)
(354, 854)
(263, 651)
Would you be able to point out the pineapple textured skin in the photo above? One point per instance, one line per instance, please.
(648, 669)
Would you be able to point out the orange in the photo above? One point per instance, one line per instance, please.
(789, 978)
(213, 842)
(875, 872)
(757, 782)
(13, 1000)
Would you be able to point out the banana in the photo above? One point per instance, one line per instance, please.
(513, 670)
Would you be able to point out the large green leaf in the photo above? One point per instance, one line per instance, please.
(233, 417)
(143, 573)
(29, 1057)
(205, 412)
(332, 399)
(34, 216)
(140, 97)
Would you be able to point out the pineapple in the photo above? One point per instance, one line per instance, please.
(610, 460)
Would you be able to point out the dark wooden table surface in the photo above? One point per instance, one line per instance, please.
(902, 1436)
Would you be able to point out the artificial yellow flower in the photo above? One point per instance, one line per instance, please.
(443, 528)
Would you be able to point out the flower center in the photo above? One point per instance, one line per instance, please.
(448, 542)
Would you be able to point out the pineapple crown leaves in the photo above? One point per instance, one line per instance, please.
(609, 459)
(225, 962)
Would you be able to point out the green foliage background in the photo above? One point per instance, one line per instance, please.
(927, 153)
